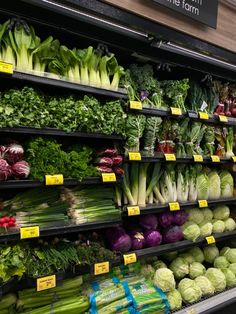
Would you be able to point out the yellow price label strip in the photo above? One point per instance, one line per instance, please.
(203, 203)
(198, 158)
(6, 68)
(133, 210)
(108, 177)
(101, 268)
(176, 111)
(215, 158)
(29, 232)
(210, 240)
(203, 115)
(174, 206)
(130, 258)
(134, 156)
(45, 283)
(56, 179)
(170, 157)
(137, 105)
(234, 158)
(223, 118)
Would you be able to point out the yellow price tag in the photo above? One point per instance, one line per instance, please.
(56, 179)
(134, 156)
(215, 158)
(29, 232)
(234, 158)
(6, 67)
(133, 210)
(223, 118)
(174, 206)
(198, 158)
(170, 157)
(108, 177)
(203, 115)
(137, 105)
(130, 258)
(45, 283)
(203, 203)
(210, 240)
(101, 268)
(175, 111)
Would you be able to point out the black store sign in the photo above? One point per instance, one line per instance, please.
(203, 11)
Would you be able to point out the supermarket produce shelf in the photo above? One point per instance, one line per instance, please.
(44, 80)
(156, 208)
(186, 160)
(212, 119)
(211, 304)
(181, 245)
(57, 132)
(13, 235)
(18, 184)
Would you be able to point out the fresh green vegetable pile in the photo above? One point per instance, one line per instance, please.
(91, 204)
(20, 46)
(146, 183)
(37, 206)
(45, 258)
(46, 156)
(30, 107)
(204, 222)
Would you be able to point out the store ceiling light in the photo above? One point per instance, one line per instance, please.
(95, 18)
(170, 47)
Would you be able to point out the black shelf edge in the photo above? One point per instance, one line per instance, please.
(186, 160)
(155, 208)
(211, 304)
(57, 132)
(213, 119)
(66, 84)
(18, 184)
(61, 230)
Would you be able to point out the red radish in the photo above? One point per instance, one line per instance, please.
(13, 219)
(11, 224)
(5, 225)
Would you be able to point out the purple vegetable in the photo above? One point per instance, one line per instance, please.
(109, 152)
(118, 170)
(5, 170)
(121, 243)
(104, 169)
(117, 160)
(148, 222)
(138, 241)
(21, 169)
(104, 161)
(180, 217)
(14, 153)
(172, 234)
(152, 238)
(165, 219)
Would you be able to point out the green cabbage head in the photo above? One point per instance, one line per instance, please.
(190, 230)
(195, 215)
(221, 212)
(214, 186)
(230, 224)
(208, 214)
(221, 262)
(180, 267)
(174, 299)
(189, 290)
(197, 254)
(230, 278)
(196, 269)
(217, 278)
(205, 285)
(164, 279)
(231, 255)
(218, 226)
(210, 253)
(206, 229)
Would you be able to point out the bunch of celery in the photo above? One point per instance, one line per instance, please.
(91, 204)
(37, 206)
(7, 303)
(20, 46)
(148, 183)
(70, 289)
